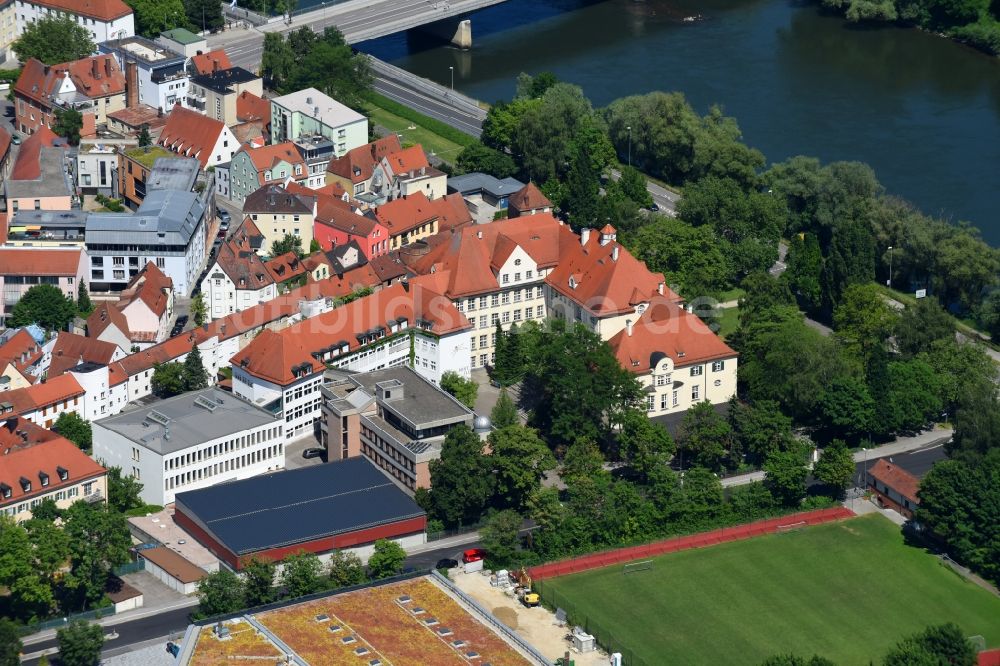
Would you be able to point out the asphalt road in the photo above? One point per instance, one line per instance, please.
(917, 463)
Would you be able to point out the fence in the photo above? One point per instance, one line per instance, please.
(700, 540)
(60, 622)
(131, 567)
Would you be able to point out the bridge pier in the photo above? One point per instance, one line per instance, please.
(457, 31)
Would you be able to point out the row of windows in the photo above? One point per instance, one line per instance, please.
(484, 360)
(396, 473)
(506, 317)
(389, 450)
(220, 449)
(69, 493)
(503, 298)
(222, 467)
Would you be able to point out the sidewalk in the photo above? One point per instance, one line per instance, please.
(447, 542)
(118, 618)
(899, 445)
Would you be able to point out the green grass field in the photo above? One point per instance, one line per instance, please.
(847, 591)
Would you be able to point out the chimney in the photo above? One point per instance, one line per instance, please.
(479, 234)
(584, 236)
(95, 69)
(659, 288)
(423, 171)
(132, 85)
(614, 253)
(215, 65)
(309, 100)
(107, 67)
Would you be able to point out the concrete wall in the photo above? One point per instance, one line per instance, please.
(168, 580)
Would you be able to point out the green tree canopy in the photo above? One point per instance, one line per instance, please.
(204, 14)
(647, 446)
(54, 40)
(704, 437)
(220, 592)
(943, 644)
(153, 17)
(168, 379)
(479, 158)
(45, 305)
(345, 569)
(302, 574)
(387, 559)
(519, 459)
(10, 643)
(123, 491)
(921, 325)
(504, 413)
(846, 409)
(863, 320)
(80, 643)
(464, 390)
(835, 468)
(76, 429)
(83, 303)
(461, 479)
(68, 123)
(195, 375)
(288, 243)
(691, 258)
(758, 429)
(914, 396)
(99, 541)
(198, 309)
(500, 536)
(785, 476)
(258, 581)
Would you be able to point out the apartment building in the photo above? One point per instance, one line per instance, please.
(276, 213)
(20, 359)
(191, 134)
(354, 169)
(104, 19)
(238, 279)
(39, 179)
(309, 113)
(21, 268)
(43, 403)
(253, 168)
(215, 93)
(142, 315)
(155, 74)
(94, 86)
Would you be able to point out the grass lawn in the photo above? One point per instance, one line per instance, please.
(444, 148)
(728, 321)
(847, 591)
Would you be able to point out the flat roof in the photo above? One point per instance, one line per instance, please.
(173, 173)
(52, 180)
(294, 506)
(423, 404)
(221, 80)
(188, 420)
(315, 104)
(469, 183)
(143, 49)
(182, 36)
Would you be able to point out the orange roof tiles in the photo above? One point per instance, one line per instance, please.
(137, 116)
(453, 212)
(96, 76)
(190, 134)
(21, 351)
(408, 159)
(71, 350)
(528, 197)
(24, 465)
(151, 286)
(213, 61)
(896, 478)
(28, 165)
(265, 157)
(104, 315)
(666, 328)
(43, 394)
(277, 357)
(357, 165)
(604, 278)
(238, 260)
(37, 261)
(252, 107)
(102, 10)
(19, 431)
(284, 267)
(341, 215)
(406, 213)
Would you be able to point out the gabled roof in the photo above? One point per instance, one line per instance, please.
(265, 157)
(213, 61)
(21, 351)
(4, 142)
(274, 198)
(408, 159)
(191, 134)
(38, 81)
(604, 279)
(19, 432)
(406, 213)
(667, 329)
(357, 165)
(102, 10)
(285, 267)
(96, 76)
(453, 212)
(340, 256)
(41, 395)
(48, 460)
(151, 286)
(341, 215)
(104, 315)
(39, 261)
(71, 350)
(252, 107)
(241, 263)
(277, 358)
(896, 478)
(389, 266)
(28, 165)
(528, 197)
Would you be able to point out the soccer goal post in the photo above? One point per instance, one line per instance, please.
(633, 567)
(791, 527)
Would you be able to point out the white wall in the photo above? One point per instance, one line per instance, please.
(100, 31)
(114, 450)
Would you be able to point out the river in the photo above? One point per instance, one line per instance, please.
(922, 110)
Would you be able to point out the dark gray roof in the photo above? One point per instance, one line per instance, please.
(294, 506)
(221, 80)
(166, 217)
(173, 173)
(55, 219)
(53, 180)
(274, 198)
(472, 183)
(423, 405)
(191, 419)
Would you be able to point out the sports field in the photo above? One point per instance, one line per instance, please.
(847, 591)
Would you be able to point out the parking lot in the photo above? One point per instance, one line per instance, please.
(294, 449)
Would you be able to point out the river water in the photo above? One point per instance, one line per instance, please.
(923, 111)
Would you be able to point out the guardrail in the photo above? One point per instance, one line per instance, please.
(462, 102)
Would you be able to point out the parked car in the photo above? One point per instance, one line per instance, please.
(225, 216)
(654, 207)
(15, 139)
(312, 453)
(473, 555)
(446, 563)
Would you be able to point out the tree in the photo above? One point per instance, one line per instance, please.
(289, 243)
(921, 325)
(519, 459)
(846, 409)
(863, 320)
(583, 183)
(634, 186)
(76, 429)
(99, 541)
(835, 467)
(942, 644)
(914, 396)
(83, 303)
(314, 246)
(464, 390)
(386, 560)
(795, 660)
(501, 538)
(277, 60)
(509, 365)
(80, 643)
(54, 40)
(504, 413)
(45, 305)
(168, 379)
(16, 566)
(758, 429)
(583, 460)
(644, 444)
(195, 375)
(785, 477)
(153, 17)
(258, 581)
(690, 257)
(220, 593)
(302, 574)
(477, 158)
(68, 123)
(47, 510)
(144, 139)
(963, 369)
(51, 548)
(977, 424)
(124, 491)
(198, 309)
(204, 15)
(345, 569)
(461, 479)
(10, 643)
(704, 436)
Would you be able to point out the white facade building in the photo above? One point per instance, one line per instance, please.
(309, 113)
(193, 440)
(111, 19)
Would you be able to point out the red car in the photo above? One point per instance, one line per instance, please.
(473, 555)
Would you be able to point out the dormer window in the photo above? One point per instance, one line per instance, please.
(5, 490)
(63, 473)
(572, 282)
(25, 484)
(43, 478)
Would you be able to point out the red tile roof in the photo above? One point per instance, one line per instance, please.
(896, 478)
(191, 134)
(453, 212)
(666, 328)
(28, 165)
(106, 314)
(102, 10)
(272, 356)
(405, 213)
(38, 261)
(151, 286)
(284, 267)
(341, 215)
(137, 116)
(4, 142)
(606, 279)
(238, 260)
(252, 107)
(21, 351)
(213, 61)
(388, 266)
(96, 76)
(408, 159)
(38, 81)
(357, 165)
(41, 395)
(71, 350)
(46, 460)
(528, 197)
(265, 157)
(19, 431)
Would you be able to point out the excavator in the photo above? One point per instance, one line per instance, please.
(524, 594)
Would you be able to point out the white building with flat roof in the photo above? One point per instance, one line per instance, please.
(310, 113)
(193, 440)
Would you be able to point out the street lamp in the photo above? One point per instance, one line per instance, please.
(889, 281)
(864, 470)
(452, 68)
(629, 128)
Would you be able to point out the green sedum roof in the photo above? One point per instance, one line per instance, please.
(182, 36)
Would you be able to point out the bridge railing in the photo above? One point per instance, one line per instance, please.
(463, 102)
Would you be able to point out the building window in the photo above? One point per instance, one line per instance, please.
(717, 366)
(650, 403)
(696, 371)
(695, 393)
(495, 300)
(506, 278)
(506, 298)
